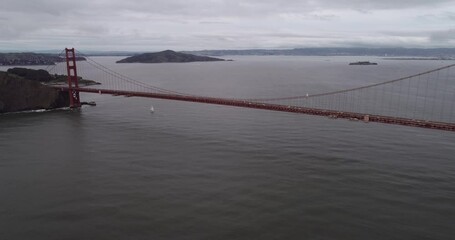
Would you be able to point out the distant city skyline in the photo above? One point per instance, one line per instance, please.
(138, 25)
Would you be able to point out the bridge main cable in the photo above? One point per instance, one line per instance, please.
(347, 90)
(122, 77)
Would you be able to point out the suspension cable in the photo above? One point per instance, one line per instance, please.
(350, 89)
(126, 78)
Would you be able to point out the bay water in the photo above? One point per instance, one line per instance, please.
(196, 171)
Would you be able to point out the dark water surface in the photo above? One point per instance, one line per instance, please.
(194, 171)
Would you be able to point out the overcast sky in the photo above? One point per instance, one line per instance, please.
(149, 25)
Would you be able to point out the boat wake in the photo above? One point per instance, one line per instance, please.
(37, 111)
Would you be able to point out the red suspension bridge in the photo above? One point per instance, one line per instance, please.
(423, 100)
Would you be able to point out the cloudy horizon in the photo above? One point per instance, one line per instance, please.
(137, 25)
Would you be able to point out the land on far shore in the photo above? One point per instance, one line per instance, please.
(337, 51)
(29, 58)
(48, 58)
(419, 58)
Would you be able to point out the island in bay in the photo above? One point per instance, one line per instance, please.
(168, 56)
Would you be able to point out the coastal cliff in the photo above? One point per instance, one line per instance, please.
(21, 94)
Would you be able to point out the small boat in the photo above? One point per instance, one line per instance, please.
(363, 63)
(92, 103)
(152, 109)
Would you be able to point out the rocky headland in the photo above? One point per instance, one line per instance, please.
(24, 89)
(45, 77)
(20, 94)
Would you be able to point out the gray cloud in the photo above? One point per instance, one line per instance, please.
(185, 24)
(443, 36)
(444, 16)
(379, 5)
(252, 7)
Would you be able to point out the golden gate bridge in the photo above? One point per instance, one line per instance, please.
(424, 100)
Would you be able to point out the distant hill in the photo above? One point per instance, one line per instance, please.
(44, 76)
(8, 59)
(167, 56)
(382, 52)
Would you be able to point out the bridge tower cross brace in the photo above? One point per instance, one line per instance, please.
(75, 101)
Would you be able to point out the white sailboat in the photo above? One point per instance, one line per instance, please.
(152, 109)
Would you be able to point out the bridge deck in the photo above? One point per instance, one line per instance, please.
(275, 107)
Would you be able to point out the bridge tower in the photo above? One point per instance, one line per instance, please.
(75, 101)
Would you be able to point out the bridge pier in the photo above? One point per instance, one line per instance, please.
(73, 85)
